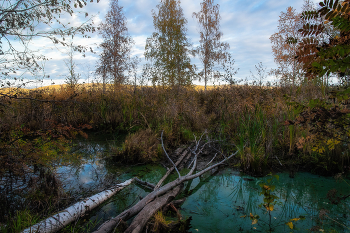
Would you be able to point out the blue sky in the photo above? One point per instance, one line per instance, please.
(246, 26)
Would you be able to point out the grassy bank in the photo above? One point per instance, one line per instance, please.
(251, 118)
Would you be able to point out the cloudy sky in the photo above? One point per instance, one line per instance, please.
(246, 26)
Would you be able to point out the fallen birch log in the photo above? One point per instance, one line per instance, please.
(72, 213)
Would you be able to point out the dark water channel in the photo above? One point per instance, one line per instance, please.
(218, 203)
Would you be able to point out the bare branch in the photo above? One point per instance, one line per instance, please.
(170, 170)
(144, 183)
(127, 214)
(211, 160)
(196, 154)
(161, 137)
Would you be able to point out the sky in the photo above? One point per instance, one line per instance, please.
(246, 26)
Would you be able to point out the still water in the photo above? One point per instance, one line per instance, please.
(222, 202)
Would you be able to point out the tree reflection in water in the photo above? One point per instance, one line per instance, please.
(225, 201)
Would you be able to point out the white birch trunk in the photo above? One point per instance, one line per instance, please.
(72, 213)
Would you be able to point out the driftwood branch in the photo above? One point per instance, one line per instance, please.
(211, 160)
(196, 155)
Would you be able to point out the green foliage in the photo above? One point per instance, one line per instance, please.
(21, 221)
(326, 128)
(331, 56)
(81, 225)
(332, 60)
(168, 47)
(252, 133)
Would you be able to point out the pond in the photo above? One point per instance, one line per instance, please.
(223, 202)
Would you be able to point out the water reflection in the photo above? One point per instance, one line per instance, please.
(225, 202)
(86, 166)
(217, 203)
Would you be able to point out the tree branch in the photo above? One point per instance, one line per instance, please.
(161, 137)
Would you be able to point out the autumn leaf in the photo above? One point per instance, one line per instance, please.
(269, 208)
(255, 221)
(290, 224)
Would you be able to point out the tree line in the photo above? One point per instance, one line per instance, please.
(306, 42)
(168, 51)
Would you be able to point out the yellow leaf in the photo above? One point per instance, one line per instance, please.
(251, 215)
(269, 208)
(295, 219)
(243, 216)
(255, 221)
(290, 224)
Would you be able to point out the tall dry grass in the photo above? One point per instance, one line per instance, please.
(250, 117)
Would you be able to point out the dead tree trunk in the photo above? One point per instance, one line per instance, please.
(150, 209)
(127, 214)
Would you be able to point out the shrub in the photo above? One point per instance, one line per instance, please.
(142, 146)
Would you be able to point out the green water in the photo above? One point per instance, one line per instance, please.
(221, 203)
(224, 201)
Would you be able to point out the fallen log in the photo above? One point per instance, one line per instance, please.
(150, 209)
(129, 213)
(72, 213)
(186, 159)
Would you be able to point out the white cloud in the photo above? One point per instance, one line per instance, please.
(246, 25)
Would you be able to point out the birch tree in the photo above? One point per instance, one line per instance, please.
(211, 50)
(168, 49)
(115, 59)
